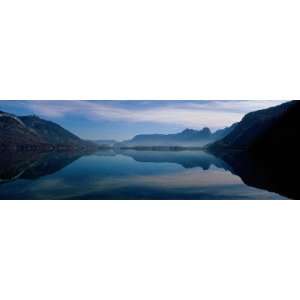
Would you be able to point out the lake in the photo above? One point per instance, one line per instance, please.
(123, 174)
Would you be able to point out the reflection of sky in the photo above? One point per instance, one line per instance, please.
(96, 177)
(124, 119)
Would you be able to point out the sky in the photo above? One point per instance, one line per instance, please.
(122, 120)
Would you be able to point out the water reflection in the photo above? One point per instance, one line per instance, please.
(185, 158)
(273, 173)
(125, 174)
(32, 165)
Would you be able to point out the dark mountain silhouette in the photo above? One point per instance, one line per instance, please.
(32, 132)
(14, 133)
(267, 130)
(49, 131)
(186, 138)
(221, 133)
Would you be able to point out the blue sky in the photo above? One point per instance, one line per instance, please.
(123, 119)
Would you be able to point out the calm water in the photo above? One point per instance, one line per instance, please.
(127, 174)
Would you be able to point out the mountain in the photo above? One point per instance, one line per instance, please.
(14, 133)
(186, 138)
(32, 132)
(269, 130)
(221, 133)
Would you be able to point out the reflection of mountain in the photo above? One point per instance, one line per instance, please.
(32, 132)
(105, 152)
(14, 164)
(50, 163)
(186, 158)
(186, 138)
(32, 165)
(274, 176)
(252, 170)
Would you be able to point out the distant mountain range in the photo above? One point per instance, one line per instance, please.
(32, 132)
(186, 138)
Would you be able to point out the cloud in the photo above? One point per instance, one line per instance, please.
(196, 114)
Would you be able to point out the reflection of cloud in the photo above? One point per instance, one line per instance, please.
(192, 113)
(184, 179)
(217, 183)
(51, 183)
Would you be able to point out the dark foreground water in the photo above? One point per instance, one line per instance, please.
(126, 174)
